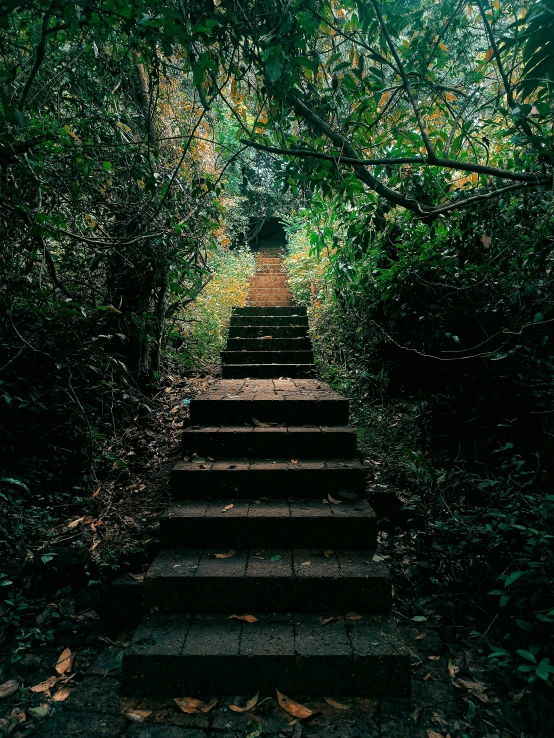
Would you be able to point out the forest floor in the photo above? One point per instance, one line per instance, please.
(66, 682)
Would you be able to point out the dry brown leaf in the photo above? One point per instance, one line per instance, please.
(191, 705)
(338, 705)
(136, 577)
(329, 552)
(427, 677)
(63, 663)
(433, 734)
(416, 713)
(137, 716)
(293, 708)
(353, 616)
(226, 555)
(481, 696)
(332, 499)
(259, 424)
(8, 688)
(294, 461)
(248, 706)
(453, 669)
(246, 618)
(420, 635)
(44, 686)
(433, 658)
(227, 507)
(328, 619)
(74, 523)
(474, 686)
(62, 694)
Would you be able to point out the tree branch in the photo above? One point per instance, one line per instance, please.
(41, 50)
(406, 81)
(395, 161)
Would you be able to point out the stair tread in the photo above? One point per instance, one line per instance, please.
(301, 564)
(275, 509)
(272, 464)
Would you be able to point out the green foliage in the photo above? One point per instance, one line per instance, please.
(206, 320)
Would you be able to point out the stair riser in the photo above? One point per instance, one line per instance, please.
(374, 676)
(269, 344)
(267, 371)
(267, 357)
(269, 320)
(294, 412)
(235, 533)
(266, 594)
(291, 310)
(247, 484)
(275, 331)
(264, 445)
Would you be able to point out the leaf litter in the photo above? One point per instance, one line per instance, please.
(252, 702)
(293, 708)
(192, 705)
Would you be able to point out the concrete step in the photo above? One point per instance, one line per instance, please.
(268, 371)
(287, 402)
(291, 310)
(285, 441)
(267, 357)
(273, 331)
(276, 478)
(267, 580)
(266, 344)
(269, 320)
(279, 523)
(176, 654)
(267, 303)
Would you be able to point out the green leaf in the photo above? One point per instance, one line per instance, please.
(11, 480)
(513, 577)
(276, 558)
(527, 655)
(274, 63)
(419, 619)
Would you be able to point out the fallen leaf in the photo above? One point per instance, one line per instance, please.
(427, 677)
(74, 523)
(64, 662)
(248, 706)
(277, 557)
(353, 616)
(246, 618)
(416, 713)
(332, 499)
(227, 507)
(137, 716)
(62, 694)
(136, 577)
(474, 686)
(453, 669)
(191, 705)
(226, 555)
(294, 461)
(433, 734)
(259, 424)
(305, 563)
(433, 658)
(486, 240)
(293, 708)
(328, 619)
(328, 553)
(39, 712)
(338, 705)
(8, 688)
(481, 696)
(420, 635)
(44, 686)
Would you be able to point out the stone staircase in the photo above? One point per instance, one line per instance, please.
(266, 579)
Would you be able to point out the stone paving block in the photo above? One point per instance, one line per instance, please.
(81, 725)
(95, 694)
(141, 730)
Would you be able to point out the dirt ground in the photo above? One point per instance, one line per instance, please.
(68, 686)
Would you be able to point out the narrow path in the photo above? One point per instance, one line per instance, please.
(269, 520)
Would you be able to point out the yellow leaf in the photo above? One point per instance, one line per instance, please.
(44, 686)
(74, 523)
(338, 705)
(62, 694)
(248, 706)
(191, 705)
(496, 5)
(444, 47)
(63, 664)
(246, 618)
(226, 555)
(68, 130)
(293, 708)
(227, 507)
